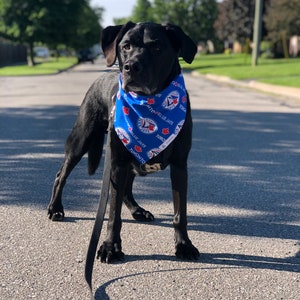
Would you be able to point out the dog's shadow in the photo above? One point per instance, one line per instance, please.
(70, 219)
(157, 221)
(244, 163)
(209, 261)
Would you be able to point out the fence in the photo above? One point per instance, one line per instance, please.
(12, 54)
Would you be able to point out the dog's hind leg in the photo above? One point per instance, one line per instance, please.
(137, 212)
(55, 207)
(76, 146)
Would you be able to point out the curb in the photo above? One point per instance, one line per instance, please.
(290, 92)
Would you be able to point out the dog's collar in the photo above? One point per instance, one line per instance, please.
(146, 125)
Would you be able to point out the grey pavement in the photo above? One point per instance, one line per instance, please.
(244, 199)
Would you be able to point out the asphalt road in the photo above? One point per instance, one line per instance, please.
(244, 200)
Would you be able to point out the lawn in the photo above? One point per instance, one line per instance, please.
(50, 66)
(284, 72)
(238, 66)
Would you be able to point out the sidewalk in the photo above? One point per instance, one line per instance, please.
(290, 92)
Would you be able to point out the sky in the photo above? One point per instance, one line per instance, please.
(114, 9)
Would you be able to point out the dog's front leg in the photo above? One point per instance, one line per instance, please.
(183, 246)
(111, 249)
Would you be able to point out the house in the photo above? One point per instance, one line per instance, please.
(294, 48)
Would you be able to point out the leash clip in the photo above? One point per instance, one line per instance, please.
(146, 168)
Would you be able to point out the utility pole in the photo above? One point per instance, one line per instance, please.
(257, 31)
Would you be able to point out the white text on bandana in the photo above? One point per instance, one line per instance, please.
(146, 125)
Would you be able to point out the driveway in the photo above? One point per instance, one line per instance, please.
(244, 199)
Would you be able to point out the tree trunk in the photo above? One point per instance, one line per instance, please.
(31, 61)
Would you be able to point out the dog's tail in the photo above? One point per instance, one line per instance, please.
(95, 152)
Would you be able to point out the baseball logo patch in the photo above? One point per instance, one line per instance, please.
(171, 100)
(179, 126)
(153, 152)
(133, 94)
(147, 125)
(123, 136)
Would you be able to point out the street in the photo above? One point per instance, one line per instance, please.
(243, 209)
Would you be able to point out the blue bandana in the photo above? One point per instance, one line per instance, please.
(146, 125)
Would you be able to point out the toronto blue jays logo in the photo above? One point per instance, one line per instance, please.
(146, 125)
(123, 136)
(153, 153)
(171, 100)
(179, 126)
(133, 94)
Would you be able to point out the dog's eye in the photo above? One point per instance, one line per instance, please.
(126, 47)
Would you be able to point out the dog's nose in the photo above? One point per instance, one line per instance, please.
(132, 66)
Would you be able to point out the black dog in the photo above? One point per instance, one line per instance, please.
(147, 54)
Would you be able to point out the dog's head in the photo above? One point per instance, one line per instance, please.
(147, 54)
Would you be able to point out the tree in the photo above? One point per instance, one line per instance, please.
(142, 11)
(20, 21)
(53, 22)
(235, 20)
(195, 17)
(88, 29)
(57, 24)
(282, 21)
(121, 21)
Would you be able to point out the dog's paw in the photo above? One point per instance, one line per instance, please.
(110, 252)
(57, 216)
(187, 251)
(142, 215)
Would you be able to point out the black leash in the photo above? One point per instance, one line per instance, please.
(90, 257)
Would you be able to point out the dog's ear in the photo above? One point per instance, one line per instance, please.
(110, 39)
(182, 43)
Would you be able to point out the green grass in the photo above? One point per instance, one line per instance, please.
(284, 72)
(51, 66)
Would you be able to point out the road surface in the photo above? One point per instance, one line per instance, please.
(244, 199)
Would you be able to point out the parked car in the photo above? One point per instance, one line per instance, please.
(42, 52)
(85, 55)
